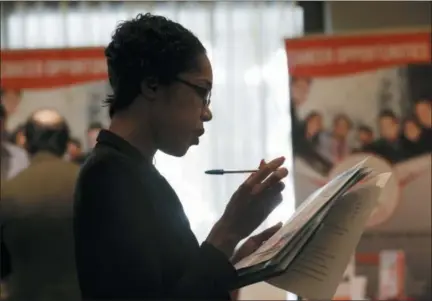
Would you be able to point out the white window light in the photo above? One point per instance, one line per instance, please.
(274, 71)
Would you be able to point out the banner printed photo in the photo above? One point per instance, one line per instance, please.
(354, 96)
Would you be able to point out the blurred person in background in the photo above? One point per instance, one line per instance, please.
(423, 112)
(313, 126)
(299, 91)
(17, 136)
(10, 98)
(299, 88)
(92, 133)
(389, 146)
(74, 151)
(334, 145)
(13, 158)
(133, 239)
(303, 146)
(36, 216)
(365, 137)
(412, 139)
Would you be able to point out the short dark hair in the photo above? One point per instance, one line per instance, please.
(343, 117)
(151, 48)
(4, 91)
(411, 118)
(295, 79)
(425, 100)
(52, 138)
(364, 128)
(3, 114)
(311, 115)
(75, 141)
(388, 114)
(94, 126)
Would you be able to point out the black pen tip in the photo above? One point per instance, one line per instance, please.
(214, 172)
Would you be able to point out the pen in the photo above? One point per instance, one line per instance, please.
(222, 171)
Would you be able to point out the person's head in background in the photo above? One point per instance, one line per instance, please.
(299, 90)
(314, 124)
(17, 137)
(2, 122)
(423, 111)
(10, 98)
(389, 126)
(46, 131)
(411, 129)
(92, 133)
(161, 79)
(74, 149)
(341, 126)
(365, 135)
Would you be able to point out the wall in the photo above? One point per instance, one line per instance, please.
(342, 16)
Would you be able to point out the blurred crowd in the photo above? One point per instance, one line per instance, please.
(398, 138)
(40, 163)
(15, 154)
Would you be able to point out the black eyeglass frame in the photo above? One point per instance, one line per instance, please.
(204, 93)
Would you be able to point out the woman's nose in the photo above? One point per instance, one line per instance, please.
(207, 114)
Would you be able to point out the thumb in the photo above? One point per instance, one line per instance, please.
(269, 232)
(262, 163)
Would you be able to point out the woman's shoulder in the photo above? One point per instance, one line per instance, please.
(106, 160)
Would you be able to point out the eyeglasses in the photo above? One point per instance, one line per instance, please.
(204, 93)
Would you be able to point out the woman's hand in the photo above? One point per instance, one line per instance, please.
(249, 206)
(254, 242)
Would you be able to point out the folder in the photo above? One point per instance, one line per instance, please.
(309, 254)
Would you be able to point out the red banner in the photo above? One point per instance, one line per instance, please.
(339, 55)
(369, 96)
(51, 68)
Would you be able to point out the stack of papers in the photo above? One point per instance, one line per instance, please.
(309, 254)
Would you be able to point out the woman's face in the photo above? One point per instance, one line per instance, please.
(180, 109)
(299, 91)
(73, 150)
(389, 128)
(11, 99)
(412, 131)
(20, 139)
(341, 127)
(424, 114)
(365, 137)
(314, 125)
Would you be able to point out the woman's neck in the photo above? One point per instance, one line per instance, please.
(138, 136)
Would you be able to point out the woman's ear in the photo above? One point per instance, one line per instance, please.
(149, 88)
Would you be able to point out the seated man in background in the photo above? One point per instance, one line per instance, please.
(13, 158)
(36, 216)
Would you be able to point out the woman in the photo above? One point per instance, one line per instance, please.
(313, 127)
(413, 142)
(133, 240)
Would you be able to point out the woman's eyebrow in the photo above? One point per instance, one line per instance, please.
(208, 84)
